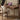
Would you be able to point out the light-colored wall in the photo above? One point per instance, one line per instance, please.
(14, 2)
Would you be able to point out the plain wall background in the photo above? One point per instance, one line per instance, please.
(14, 2)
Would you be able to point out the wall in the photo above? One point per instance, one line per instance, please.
(14, 2)
(0, 1)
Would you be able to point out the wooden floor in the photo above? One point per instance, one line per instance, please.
(5, 18)
(0, 17)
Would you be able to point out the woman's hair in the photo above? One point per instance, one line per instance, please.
(3, 1)
(19, 1)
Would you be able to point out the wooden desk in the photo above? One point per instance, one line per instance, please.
(11, 7)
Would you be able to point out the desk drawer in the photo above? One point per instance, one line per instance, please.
(0, 10)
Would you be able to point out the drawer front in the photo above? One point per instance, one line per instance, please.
(0, 10)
